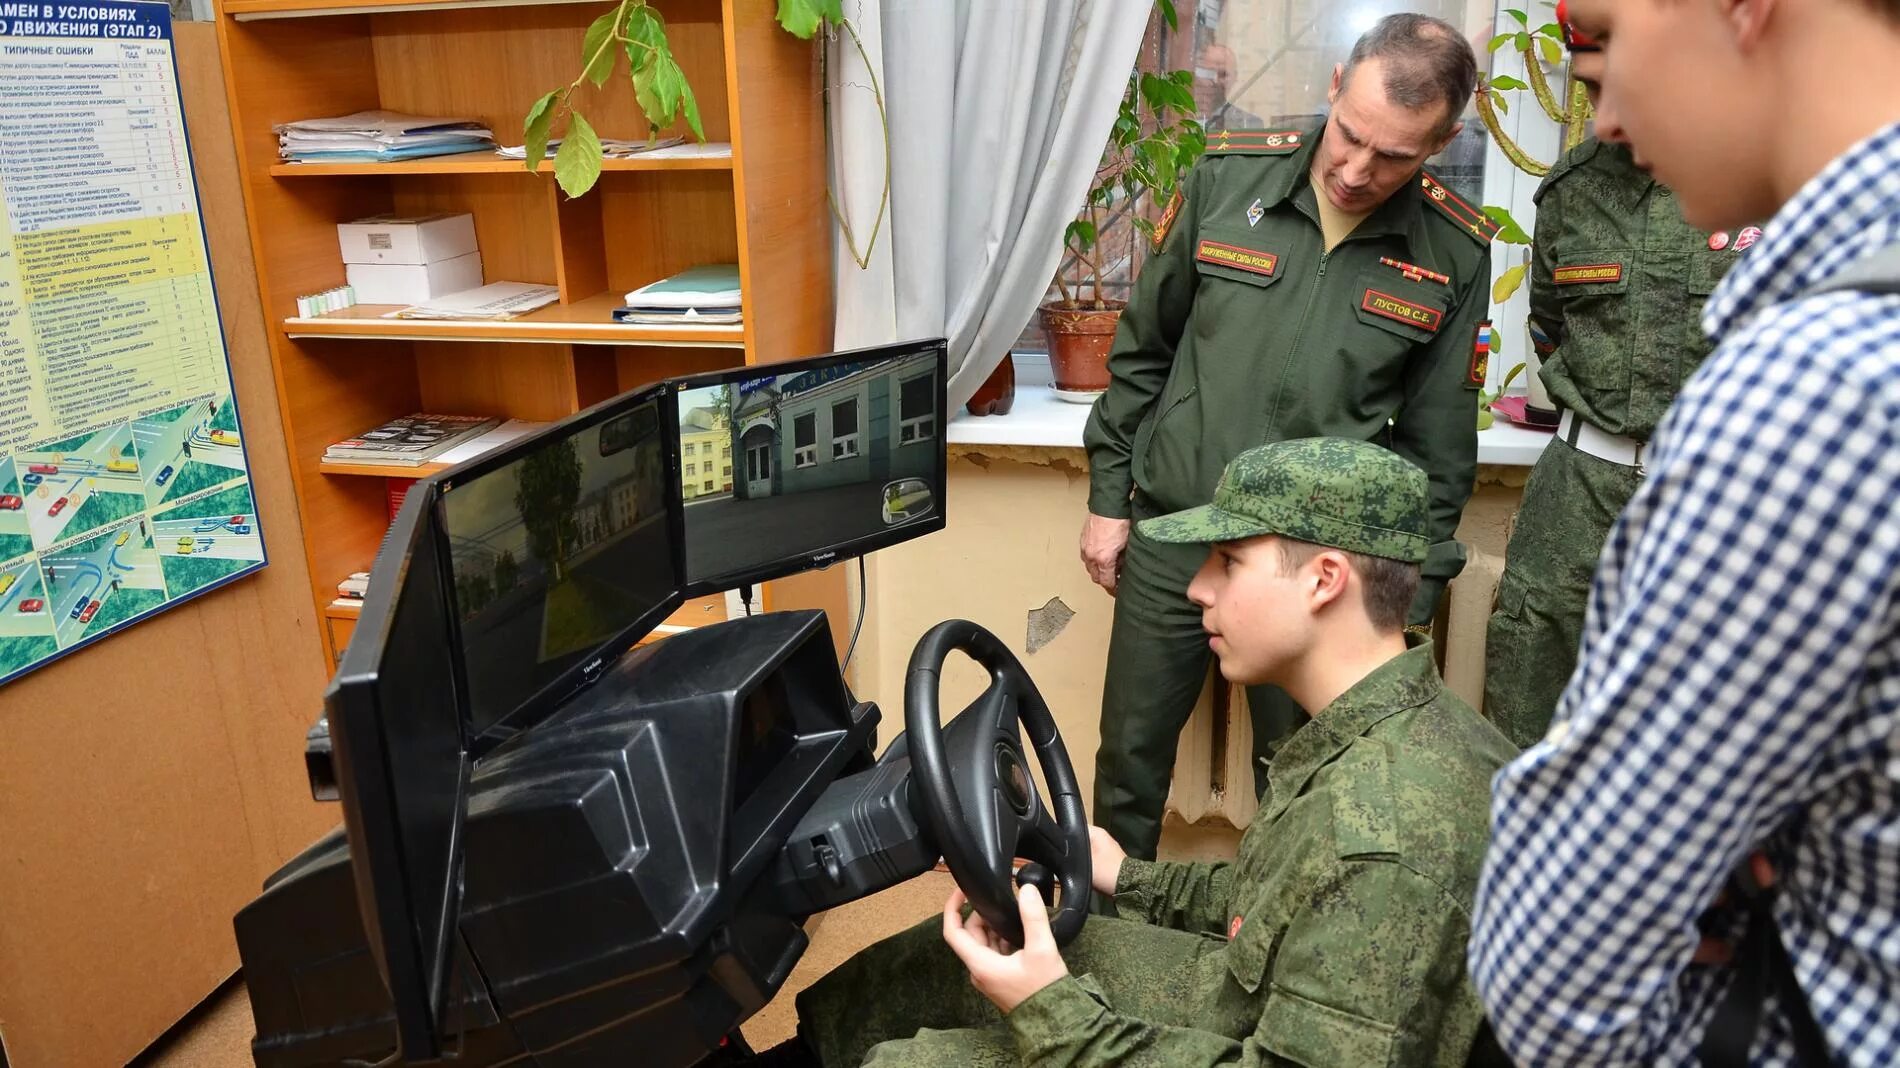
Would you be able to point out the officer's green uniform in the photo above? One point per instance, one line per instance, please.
(1347, 906)
(1617, 287)
(1242, 330)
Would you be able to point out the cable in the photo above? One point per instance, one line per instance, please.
(853, 647)
(745, 598)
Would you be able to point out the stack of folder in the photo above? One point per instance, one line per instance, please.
(706, 296)
(379, 137)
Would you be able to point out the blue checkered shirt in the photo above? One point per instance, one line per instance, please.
(1739, 684)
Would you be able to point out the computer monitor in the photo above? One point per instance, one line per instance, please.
(800, 464)
(402, 771)
(562, 553)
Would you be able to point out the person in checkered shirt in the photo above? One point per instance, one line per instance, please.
(1736, 704)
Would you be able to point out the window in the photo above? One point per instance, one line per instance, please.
(805, 440)
(758, 463)
(688, 450)
(728, 471)
(691, 470)
(709, 485)
(916, 411)
(725, 452)
(844, 429)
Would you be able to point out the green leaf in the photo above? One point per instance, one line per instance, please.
(1167, 14)
(1522, 19)
(1551, 30)
(692, 111)
(1501, 291)
(597, 52)
(1501, 40)
(535, 131)
(646, 38)
(1553, 55)
(1503, 103)
(1508, 229)
(1081, 234)
(1505, 81)
(800, 18)
(1523, 41)
(577, 162)
(1485, 418)
(1152, 89)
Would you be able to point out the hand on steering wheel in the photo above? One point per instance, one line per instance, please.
(979, 799)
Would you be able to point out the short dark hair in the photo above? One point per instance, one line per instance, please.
(1387, 586)
(1427, 61)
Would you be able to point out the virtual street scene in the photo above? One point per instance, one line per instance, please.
(189, 448)
(207, 538)
(556, 553)
(779, 465)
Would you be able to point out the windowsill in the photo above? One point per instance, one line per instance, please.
(1039, 419)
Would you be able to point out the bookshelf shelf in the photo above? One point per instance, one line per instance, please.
(331, 467)
(588, 321)
(342, 611)
(712, 156)
(252, 10)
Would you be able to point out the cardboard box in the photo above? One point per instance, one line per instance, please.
(407, 239)
(407, 283)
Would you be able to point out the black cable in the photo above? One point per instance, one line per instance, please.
(745, 599)
(853, 647)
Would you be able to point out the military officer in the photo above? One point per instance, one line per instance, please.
(1336, 936)
(1618, 281)
(1304, 283)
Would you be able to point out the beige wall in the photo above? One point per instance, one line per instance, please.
(1010, 547)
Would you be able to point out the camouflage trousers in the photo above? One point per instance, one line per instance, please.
(1158, 661)
(908, 1001)
(1530, 646)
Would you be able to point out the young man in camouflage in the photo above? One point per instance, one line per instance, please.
(1617, 287)
(1336, 936)
(1305, 283)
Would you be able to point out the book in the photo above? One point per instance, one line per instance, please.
(496, 300)
(712, 286)
(412, 440)
(679, 316)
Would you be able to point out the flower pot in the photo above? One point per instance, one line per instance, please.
(1079, 339)
(997, 394)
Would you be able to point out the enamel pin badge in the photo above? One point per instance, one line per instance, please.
(1254, 212)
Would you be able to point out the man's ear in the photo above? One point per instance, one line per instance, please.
(1748, 20)
(1456, 129)
(1339, 83)
(1330, 573)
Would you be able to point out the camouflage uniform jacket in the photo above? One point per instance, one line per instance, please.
(1617, 283)
(1348, 903)
(1243, 329)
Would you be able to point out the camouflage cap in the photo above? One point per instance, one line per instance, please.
(1336, 492)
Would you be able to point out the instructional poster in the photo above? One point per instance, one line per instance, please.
(123, 482)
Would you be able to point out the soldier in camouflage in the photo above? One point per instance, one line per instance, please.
(1305, 283)
(1337, 935)
(1618, 282)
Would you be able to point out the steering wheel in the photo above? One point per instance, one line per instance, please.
(979, 798)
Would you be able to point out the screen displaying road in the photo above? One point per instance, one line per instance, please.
(123, 482)
(557, 553)
(786, 466)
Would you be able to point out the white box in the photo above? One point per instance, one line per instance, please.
(411, 239)
(413, 283)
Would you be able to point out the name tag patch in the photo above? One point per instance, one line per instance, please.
(1594, 272)
(1244, 259)
(1403, 311)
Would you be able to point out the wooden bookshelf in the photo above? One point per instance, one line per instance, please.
(754, 194)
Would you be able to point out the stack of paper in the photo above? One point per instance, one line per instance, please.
(611, 147)
(494, 439)
(497, 300)
(412, 440)
(379, 137)
(704, 295)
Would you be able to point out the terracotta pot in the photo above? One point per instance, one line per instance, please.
(997, 394)
(1079, 340)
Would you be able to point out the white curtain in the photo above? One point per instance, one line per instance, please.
(998, 112)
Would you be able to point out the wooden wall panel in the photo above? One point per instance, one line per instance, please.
(152, 781)
(658, 224)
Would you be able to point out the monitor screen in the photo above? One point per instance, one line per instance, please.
(402, 772)
(816, 460)
(562, 555)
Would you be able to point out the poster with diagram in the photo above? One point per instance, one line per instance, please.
(123, 482)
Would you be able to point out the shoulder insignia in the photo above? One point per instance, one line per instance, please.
(1167, 218)
(1255, 142)
(1469, 219)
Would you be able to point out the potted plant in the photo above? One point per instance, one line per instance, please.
(1156, 138)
